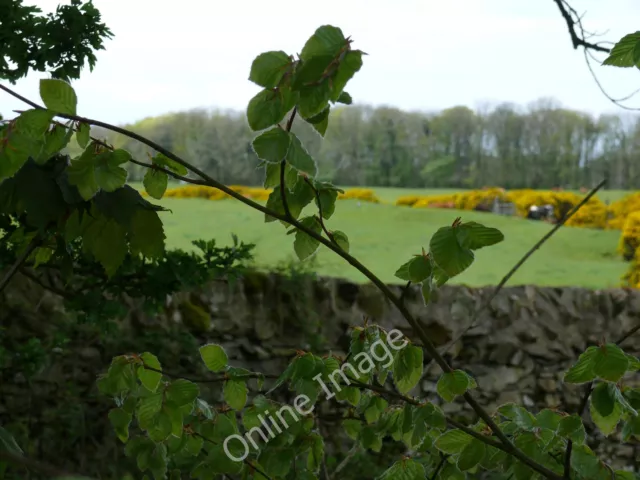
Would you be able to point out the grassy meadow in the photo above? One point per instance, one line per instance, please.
(384, 236)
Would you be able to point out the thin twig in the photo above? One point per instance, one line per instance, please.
(571, 27)
(34, 278)
(350, 454)
(443, 459)
(222, 378)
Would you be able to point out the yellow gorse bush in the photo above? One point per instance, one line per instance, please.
(256, 193)
(363, 194)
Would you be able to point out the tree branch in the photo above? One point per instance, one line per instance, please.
(568, 14)
(33, 244)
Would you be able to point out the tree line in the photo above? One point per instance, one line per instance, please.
(539, 146)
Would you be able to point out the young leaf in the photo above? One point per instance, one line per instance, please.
(58, 96)
(299, 158)
(320, 122)
(625, 53)
(214, 357)
(83, 134)
(571, 427)
(327, 40)
(603, 398)
(610, 362)
(149, 378)
(583, 370)
(182, 392)
(473, 235)
(350, 64)
(327, 202)
(81, 173)
(447, 253)
(305, 245)
(341, 239)
(120, 421)
(453, 383)
(109, 175)
(146, 234)
(163, 161)
(405, 469)
(453, 441)
(272, 145)
(606, 423)
(267, 108)
(471, 455)
(268, 68)
(419, 269)
(407, 369)
(105, 240)
(155, 183)
(235, 393)
(345, 98)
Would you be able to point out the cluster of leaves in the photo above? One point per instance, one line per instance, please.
(450, 253)
(60, 42)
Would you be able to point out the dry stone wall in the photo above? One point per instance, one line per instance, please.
(517, 352)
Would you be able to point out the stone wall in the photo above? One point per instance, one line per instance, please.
(518, 351)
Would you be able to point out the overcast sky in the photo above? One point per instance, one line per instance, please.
(423, 54)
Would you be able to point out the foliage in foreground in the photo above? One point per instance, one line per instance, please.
(59, 209)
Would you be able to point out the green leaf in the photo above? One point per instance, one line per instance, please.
(471, 455)
(146, 234)
(350, 64)
(312, 71)
(314, 99)
(610, 362)
(83, 134)
(519, 415)
(452, 384)
(160, 427)
(352, 427)
(182, 392)
(55, 140)
(34, 123)
(453, 441)
(299, 198)
(624, 53)
(272, 146)
(81, 173)
(268, 68)
(447, 253)
(305, 245)
(345, 98)
(235, 393)
(320, 122)
(341, 239)
(327, 40)
(316, 453)
(58, 96)
(105, 240)
(419, 269)
(120, 421)
(147, 410)
(407, 369)
(634, 363)
(267, 108)
(299, 158)
(585, 462)
(571, 427)
(583, 370)
(174, 413)
(473, 235)
(405, 469)
(277, 461)
(149, 378)
(155, 183)
(194, 445)
(603, 399)
(214, 357)
(109, 175)
(327, 202)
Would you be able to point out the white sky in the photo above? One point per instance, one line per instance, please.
(423, 54)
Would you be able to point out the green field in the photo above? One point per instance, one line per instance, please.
(385, 236)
